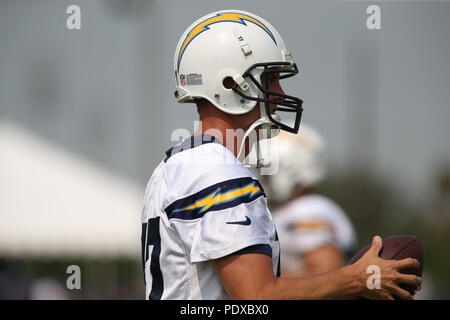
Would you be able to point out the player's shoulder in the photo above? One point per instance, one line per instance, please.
(199, 149)
(201, 163)
(202, 156)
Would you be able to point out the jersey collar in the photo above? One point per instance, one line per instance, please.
(190, 143)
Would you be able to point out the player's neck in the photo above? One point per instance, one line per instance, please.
(220, 125)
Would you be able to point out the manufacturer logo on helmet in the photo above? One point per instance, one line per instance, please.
(182, 79)
(191, 79)
(220, 17)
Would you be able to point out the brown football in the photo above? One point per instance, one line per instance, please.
(399, 247)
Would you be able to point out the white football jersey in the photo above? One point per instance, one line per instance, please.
(308, 222)
(201, 204)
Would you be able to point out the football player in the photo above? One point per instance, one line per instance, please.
(315, 233)
(206, 230)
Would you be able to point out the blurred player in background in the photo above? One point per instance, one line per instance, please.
(316, 235)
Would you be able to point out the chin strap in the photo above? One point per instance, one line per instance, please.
(265, 133)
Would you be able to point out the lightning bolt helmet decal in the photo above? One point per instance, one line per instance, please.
(220, 17)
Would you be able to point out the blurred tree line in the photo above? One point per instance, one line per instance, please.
(45, 278)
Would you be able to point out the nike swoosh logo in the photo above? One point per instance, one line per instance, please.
(245, 222)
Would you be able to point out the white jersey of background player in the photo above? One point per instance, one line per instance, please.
(315, 233)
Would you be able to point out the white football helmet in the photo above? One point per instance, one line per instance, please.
(234, 46)
(302, 162)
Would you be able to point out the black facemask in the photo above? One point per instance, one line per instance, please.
(288, 104)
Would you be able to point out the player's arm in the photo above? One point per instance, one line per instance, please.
(323, 259)
(250, 276)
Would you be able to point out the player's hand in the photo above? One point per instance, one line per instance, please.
(390, 276)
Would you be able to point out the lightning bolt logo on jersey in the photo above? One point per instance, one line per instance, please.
(226, 194)
(199, 210)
